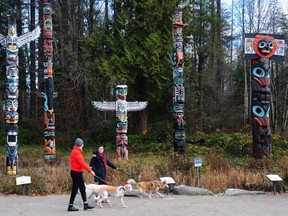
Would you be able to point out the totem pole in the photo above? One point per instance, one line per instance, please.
(48, 94)
(260, 48)
(121, 106)
(10, 106)
(178, 81)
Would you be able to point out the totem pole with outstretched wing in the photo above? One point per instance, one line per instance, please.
(10, 106)
(121, 106)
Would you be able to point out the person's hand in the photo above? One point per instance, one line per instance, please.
(92, 173)
(117, 169)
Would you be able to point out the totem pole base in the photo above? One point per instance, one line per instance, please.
(122, 153)
(11, 171)
(49, 157)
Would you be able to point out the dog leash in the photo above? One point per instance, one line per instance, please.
(102, 180)
(127, 173)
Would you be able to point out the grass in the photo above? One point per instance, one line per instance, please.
(217, 173)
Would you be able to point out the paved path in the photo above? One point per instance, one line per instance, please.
(171, 205)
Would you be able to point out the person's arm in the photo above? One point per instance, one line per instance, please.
(110, 164)
(81, 161)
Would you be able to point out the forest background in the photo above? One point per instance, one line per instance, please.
(100, 43)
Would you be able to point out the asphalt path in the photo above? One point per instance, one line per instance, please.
(244, 205)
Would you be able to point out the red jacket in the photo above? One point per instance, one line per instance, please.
(77, 162)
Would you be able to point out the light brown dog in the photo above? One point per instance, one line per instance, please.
(116, 192)
(93, 189)
(150, 186)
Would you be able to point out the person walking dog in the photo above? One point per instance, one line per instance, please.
(99, 163)
(77, 166)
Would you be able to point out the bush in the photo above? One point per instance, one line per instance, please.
(235, 144)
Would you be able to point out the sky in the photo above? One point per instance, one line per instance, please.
(284, 4)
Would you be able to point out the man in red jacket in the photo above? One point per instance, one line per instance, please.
(77, 166)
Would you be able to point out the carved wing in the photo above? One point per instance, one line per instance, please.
(29, 36)
(136, 106)
(2, 40)
(182, 4)
(104, 105)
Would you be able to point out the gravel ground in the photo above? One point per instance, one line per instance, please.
(244, 205)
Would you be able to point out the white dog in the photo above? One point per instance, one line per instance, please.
(93, 189)
(116, 192)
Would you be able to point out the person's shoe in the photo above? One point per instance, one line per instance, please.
(87, 206)
(72, 208)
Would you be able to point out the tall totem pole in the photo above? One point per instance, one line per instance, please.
(10, 106)
(48, 94)
(260, 48)
(178, 81)
(121, 106)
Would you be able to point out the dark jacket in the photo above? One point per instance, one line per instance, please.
(98, 166)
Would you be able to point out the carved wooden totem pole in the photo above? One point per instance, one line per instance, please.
(48, 94)
(10, 106)
(121, 106)
(260, 48)
(178, 81)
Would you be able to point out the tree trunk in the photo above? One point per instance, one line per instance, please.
(285, 110)
(143, 122)
(33, 104)
(91, 17)
(246, 97)
(22, 73)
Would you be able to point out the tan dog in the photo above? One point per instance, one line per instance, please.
(93, 189)
(116, 192)
(151, 186)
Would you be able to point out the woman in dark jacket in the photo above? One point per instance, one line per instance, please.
(99, 163)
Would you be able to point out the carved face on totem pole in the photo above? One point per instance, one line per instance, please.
(12, 71)
(121, 92)
(265, 46)
(12, 91)
(179, 120)
(261, 115)
(261, 75)
(122, 127)
(12, 40)
(11, 105)
(47, 21)
(12, 117)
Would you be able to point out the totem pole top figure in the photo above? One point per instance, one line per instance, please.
(13, 42)
(177, 19)
(121, 94)
(264, 46)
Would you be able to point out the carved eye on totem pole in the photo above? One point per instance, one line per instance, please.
(265, 46)
(261, 115)
(261, 76)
